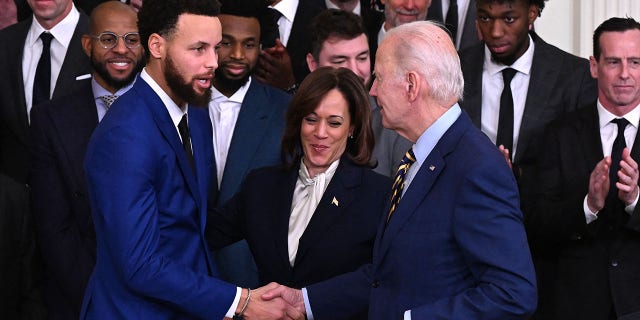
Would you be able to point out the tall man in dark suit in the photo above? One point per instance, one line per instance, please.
(148, 169)
(60, 132)
(586, 194)
(451, 244)
(339, 40)
(547, 82)
(248, 121)
(67, 66)
(458, 15)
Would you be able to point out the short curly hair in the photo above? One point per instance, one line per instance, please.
(539, 3)
(161, 16)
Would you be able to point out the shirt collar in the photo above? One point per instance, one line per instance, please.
(605, 117)
(288, 8)
(99, 91)
(175, 112)
(522, 65)
(62, 32)
(237, 97)
(430, 137)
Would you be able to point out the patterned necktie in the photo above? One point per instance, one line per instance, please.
(108, 100)
(505, 117)
(183, 128)
(42, 80)
(616, 156)
(398, 183)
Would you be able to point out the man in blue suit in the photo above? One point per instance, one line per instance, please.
(148, 168)
(248, 121)
(452, 244)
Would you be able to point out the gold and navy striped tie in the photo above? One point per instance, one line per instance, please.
(398, 183)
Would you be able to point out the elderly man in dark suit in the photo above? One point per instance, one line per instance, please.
(63, 67)
(585, 210)
(451, 244)
(60, 132)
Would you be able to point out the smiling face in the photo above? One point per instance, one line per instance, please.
(618, 71)
(352, 54)
(505, 27)
(237, 53)
(399, 12)
(116, 67)
(190, 59)
(325, 131)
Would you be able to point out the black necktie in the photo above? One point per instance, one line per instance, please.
(398, 182)
(270, 30)
(616, 156)
(183, 128)
(451, 21)
(42, 80)
(505, 120)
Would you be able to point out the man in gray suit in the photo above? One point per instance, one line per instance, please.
(340, 40)
(20, 55)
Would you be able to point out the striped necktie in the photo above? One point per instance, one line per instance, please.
(398, 182)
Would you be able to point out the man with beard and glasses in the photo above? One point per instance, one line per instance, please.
(248, 122)
(148, 169)
(60, 131)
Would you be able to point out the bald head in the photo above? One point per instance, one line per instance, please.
(105, 10)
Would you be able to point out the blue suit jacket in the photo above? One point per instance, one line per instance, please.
(255, 143)
(149, 212)
(60, 132)
(455, 248)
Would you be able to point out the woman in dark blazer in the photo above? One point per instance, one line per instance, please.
(316, 216)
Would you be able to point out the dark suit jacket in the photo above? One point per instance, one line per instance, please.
(598, 263)
(60, 132)
(390, 147)
(338, 239)
(455, 248)
(255, 144)
(299, 43)
(149, 212)
(21, 264)
(559, 83)
(469, 32)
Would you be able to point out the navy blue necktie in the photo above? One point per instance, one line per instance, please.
(398, 182)
(42, 80)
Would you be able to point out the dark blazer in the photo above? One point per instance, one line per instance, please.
(559, 83)
(60, 131)
(149, 212)
(390, 147)
(338, 239)
(299, 43)
(14, 126)
(255, 144)
(21, 264)
(597, 264)
(455, 248)
(469, 32)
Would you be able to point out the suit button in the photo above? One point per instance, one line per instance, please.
(77, 194)
(375, 284)
(614, 263)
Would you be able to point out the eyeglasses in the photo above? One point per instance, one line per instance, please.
(108, 39)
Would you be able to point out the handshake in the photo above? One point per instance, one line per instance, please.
(273, 301)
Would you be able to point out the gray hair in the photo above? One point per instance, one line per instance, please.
(425, 48)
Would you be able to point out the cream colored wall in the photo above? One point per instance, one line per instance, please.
(569, 24)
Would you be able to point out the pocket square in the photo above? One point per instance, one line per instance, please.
(84, 76)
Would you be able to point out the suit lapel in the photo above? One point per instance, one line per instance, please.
(435, 11)
(280, 225)
(472, 69)
(75, 62)
(421, 185)
(335, 200)
(253, 121)
(588, 131)
(19, 124)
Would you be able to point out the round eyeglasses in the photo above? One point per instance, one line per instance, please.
(108, 39)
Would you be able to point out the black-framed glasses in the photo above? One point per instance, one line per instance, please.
(108, 39)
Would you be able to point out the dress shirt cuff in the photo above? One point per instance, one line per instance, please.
(629, 209)
(234, 305)
(307, 304)
(407, 315)
(589, 215)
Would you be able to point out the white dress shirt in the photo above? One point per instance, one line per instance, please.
(62, 34)
(176, 114)
(288, 8)
(608, 134)
(492, 85)
(224, 113)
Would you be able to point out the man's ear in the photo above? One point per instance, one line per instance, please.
(311, 62)
(157, 46)
(87, 44)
